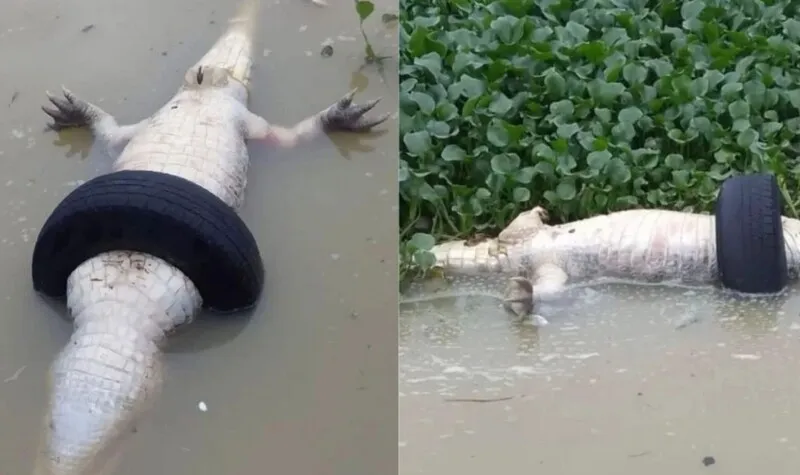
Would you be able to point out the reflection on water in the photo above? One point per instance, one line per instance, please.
(625, 378)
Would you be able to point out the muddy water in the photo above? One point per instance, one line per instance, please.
(624, 380)
(307, 384)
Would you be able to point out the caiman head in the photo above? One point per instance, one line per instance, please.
(229, 61)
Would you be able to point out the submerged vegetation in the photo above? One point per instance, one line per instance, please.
(587, 107)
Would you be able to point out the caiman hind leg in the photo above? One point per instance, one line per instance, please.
(343, 116)
(72, 111)
(521, 293)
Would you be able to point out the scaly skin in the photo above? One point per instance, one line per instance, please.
(124, 304)
(653, 246)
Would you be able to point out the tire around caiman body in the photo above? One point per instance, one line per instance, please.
(159, 214)
(751, 256)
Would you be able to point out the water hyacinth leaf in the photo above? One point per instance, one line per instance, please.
(618, 172)
(438, 129)
(424, 101)
(566, 131)
(364, 9)
(674, 161)
(565, 191)
(422, 241)
(630, 115)
(453, 153)
(739, 109)
(563, 109)
(500, 104)
(634, 73)
(425, 259)
(598, 160)
(505, 163)
(521, 194)
(497, 134)
(746, 138)
(417, 143)
(555, 84)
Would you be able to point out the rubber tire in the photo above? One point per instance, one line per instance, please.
(751, 256)
(159, 214)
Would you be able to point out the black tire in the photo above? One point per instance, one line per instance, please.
(750, 244)
(159, 214)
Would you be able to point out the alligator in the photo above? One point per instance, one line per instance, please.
(111, 370)
(537, 262)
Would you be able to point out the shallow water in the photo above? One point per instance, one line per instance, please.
(307, 384)
(625, 379)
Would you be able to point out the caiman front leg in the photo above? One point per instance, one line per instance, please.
(343, 116)
(72, 111)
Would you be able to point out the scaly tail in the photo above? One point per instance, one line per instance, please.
(234, 49)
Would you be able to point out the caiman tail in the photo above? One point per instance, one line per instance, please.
(124, 304)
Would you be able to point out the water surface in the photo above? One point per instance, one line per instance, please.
(625, 380)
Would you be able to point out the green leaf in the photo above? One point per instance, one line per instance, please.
(422, 241)
(554, 83)
(424, 259)
(424, 101)
(792, 28)
(618, 172)
(692, 9)
(630, 115)
(746, 138)
(565, 191)
(568, 130)
(634, 73)
(364, 9)
(417, 143)
(674, 161)
(563, 109)
(699, 87)
(438, 129)
(739, 109)
(521, 194)
(500, 104)
(731, 88)
(453, 153)
(505, 163)
(497, 134)
(598, 160)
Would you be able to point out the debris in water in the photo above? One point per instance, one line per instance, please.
(14, 376)
(388, 17)
(708, 460)
(202, 406)
(302, 28)
(13, 98)
(327, 48)
(745, 356)
(479, 399)
(87, 28)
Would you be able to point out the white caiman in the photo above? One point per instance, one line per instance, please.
(110, 372)
(531, 261)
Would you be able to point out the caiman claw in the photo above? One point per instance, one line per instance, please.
(348, 117)
(70, 111)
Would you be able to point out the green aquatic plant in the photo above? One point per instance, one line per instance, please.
(587, 107)
(365, 8)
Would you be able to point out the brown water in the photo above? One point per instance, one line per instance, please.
(308, 384)
(624, 380)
